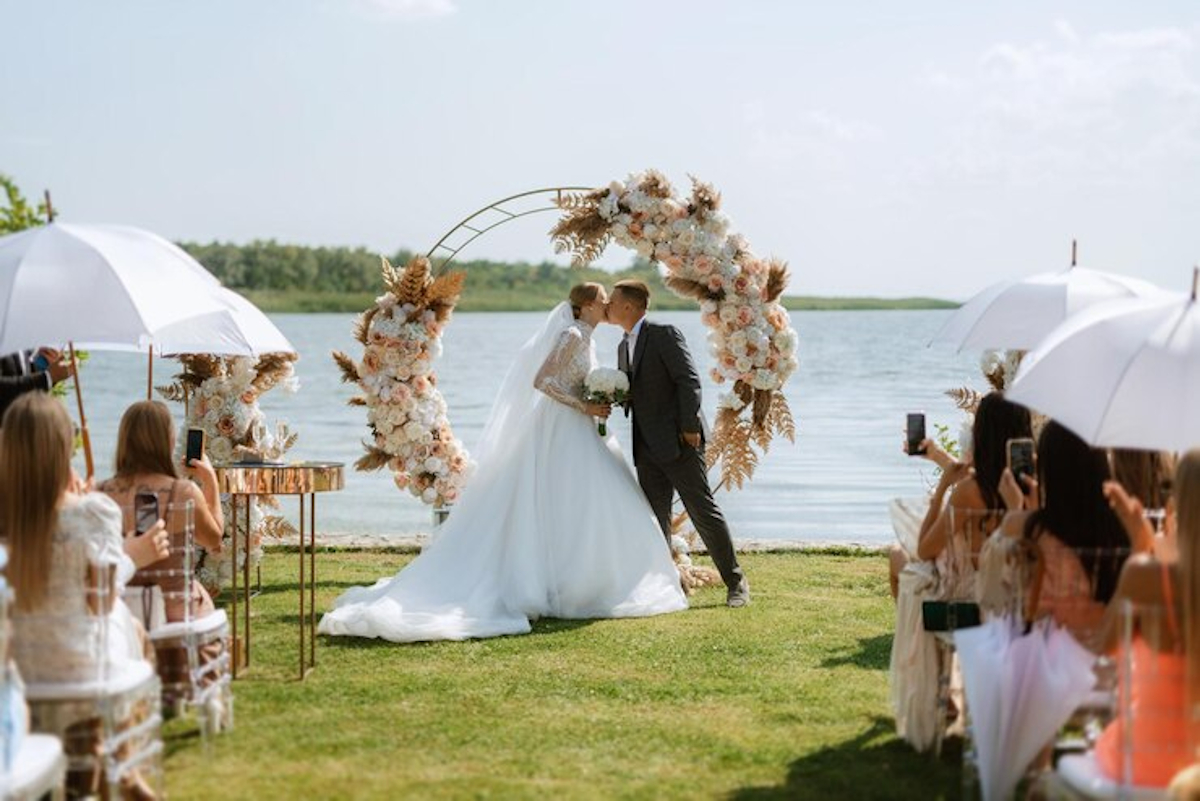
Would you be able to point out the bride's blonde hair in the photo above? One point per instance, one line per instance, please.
(581, 295)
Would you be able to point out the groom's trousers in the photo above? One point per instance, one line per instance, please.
(688, 476)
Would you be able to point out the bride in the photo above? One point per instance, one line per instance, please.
(553, 523)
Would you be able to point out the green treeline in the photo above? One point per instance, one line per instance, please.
(294, 278)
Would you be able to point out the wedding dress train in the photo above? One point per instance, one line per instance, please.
(553, 523)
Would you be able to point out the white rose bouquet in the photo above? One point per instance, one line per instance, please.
(606, 385)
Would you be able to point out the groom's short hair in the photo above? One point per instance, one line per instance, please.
(635, 291)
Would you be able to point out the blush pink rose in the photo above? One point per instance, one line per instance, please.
(715, 283)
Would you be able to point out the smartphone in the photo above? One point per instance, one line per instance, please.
(195, 445)
(40, 363)
(145, 512)
(1020, 459)
(915, 433)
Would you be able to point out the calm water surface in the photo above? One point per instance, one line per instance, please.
(859, 373)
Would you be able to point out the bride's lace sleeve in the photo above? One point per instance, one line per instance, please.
(560, 376)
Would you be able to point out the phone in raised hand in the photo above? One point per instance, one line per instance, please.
(915, 433)
(1020, 460)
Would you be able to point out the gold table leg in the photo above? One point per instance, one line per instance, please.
(246, 578)
(237, 646)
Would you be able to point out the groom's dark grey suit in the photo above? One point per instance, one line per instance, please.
(665, 391)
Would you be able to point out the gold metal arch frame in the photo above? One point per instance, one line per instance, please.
(485, 219)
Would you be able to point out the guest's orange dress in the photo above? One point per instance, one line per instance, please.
(1157, 692)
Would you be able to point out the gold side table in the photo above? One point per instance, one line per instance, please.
(243, 480)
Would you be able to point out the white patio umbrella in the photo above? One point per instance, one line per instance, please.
(1020, 690)
(1017, 315)
(108, 285)
(1125, 375)
(238, 329)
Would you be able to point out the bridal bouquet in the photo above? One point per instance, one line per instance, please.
(608, 386)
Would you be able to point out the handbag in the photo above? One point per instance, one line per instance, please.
(147, 605)
(949, 615)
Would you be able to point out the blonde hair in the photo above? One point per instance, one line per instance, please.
(144, 441)
(581, 295)
(1187, 517)
(35, 471)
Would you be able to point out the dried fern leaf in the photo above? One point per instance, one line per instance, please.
(777, 279)
(362, 326)
(347, 366)
(705, 197)
(373, 459)
(357, 400)
(445, 289)
(172, 392)
(414, 282)
(781, 421)
(964, 398)
(687, 288)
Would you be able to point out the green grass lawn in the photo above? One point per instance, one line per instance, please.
(784, 699)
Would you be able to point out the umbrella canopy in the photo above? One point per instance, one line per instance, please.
(1020, 690)
(102, 284)
(238, 329)
(1017, 315)
(1124, 375)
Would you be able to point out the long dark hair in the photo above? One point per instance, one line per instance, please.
(996, 422)
(1072, 476)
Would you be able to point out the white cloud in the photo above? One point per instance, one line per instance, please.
(1107, 108)
(407, 10)
(817, 138)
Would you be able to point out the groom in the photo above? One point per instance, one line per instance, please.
(668, 429)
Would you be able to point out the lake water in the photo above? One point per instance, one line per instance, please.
(859, 373)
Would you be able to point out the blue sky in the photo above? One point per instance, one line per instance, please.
(882, 148)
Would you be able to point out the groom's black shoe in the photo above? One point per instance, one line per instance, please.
(738, 596)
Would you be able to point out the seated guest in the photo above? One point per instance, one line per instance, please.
(26, 371)
(65, 549)
(144, 464)
(65, 552)
(1147, 476)
(973, 486)
(950, 534)
(1163, 594)
(1064, 515)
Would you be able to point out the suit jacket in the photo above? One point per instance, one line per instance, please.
(665, 388)
(17, 376)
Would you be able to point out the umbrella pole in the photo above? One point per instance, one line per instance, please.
(149, 371)
(83, 427)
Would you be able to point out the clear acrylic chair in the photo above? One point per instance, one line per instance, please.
(105, 713)
(31, 765)
(192, 650)
(958, 566)
(1151, 737)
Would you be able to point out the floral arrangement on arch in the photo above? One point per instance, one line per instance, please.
(750, 334)
(999, 368)
(222, 393)
(401, 336)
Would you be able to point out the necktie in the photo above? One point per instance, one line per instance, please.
(623, 355)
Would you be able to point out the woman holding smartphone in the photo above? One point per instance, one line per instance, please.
(962, 511)
(146, 474)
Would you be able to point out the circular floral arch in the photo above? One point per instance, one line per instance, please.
(749, 332)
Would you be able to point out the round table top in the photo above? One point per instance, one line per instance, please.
(291, 478)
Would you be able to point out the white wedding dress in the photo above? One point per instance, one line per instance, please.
(552, 524)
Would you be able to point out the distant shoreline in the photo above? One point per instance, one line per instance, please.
(301, 301)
